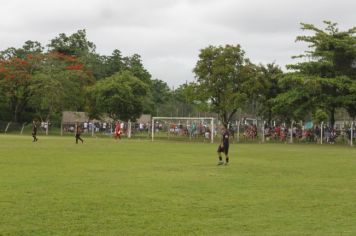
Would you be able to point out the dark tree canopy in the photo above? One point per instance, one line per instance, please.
(121, 96)
(74, 45)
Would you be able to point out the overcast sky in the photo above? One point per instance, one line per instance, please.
(168, 34)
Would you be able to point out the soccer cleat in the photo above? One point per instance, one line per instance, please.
(220, 163)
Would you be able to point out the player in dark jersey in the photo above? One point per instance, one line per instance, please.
(34, 131)
(224, 147)
(78, 132)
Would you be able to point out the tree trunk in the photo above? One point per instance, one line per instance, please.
(14, 109)
(332, 117)
(224, 119)
(14, 117)
(269, 117)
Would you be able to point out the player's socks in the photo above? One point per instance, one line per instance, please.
(220, 161)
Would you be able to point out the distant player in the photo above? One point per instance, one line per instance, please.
(78, 132)
(117, 133)
(34, 131)
(224, 146)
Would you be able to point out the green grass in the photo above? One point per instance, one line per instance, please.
(103, 187)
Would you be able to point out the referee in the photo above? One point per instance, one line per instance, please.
(34, 131)
(224, 146)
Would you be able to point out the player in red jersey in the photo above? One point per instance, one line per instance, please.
(117, 133)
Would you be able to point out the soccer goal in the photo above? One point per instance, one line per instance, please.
(180, 128)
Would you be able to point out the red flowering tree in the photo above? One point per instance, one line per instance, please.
(15, 82)
(59, 85)
(45, 83)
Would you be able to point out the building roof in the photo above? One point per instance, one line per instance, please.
(81, 117)
(74, 116)
(145, 118)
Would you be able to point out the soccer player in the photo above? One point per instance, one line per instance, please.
(34, 131)
(224, 146)
(78, 132)
(117, 130)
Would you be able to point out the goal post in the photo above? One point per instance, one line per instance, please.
(207, 121)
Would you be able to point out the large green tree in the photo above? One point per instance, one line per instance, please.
(75, 44)
(263, 89)
(58, 85)
(325, 78)
(298, 99)
(221, 75)
(161, 95)
(183, 102)
(134, 64)
(114, 63)
(121, 96)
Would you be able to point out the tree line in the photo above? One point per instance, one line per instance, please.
(39, 82)
(319, 84)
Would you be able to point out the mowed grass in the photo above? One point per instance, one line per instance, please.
(103, 187)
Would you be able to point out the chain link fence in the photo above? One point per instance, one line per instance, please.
(252, 131)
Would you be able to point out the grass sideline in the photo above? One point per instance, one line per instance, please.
(135, 187)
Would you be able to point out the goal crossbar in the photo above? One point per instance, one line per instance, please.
(184, 118)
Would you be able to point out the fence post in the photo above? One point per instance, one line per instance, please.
(153, 128)
(291, 132)
(321, 132)
(92, 129)
(7, 127)
(212, 131)
(352, 133)
(23, 126)
(263, 131)
(129, 133)
(238, 131)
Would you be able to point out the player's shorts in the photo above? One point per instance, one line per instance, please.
(224, 149)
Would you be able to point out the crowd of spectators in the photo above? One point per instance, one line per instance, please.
(300, 134)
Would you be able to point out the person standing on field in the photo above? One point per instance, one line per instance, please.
(78, 132)
(224, 146)
(117, 133)
(34, 131)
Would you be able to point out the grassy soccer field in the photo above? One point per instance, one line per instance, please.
(103, 187)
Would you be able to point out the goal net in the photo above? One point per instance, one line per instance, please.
(183, 128)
